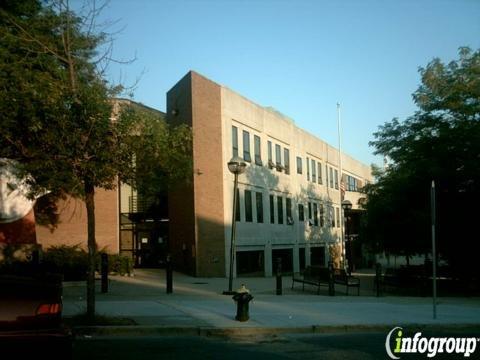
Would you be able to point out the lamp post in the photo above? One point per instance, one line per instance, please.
(346, 206)
(236, 166)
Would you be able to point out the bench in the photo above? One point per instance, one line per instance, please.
(312, 275)
(342, 278)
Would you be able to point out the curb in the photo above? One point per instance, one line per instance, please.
(135, 330)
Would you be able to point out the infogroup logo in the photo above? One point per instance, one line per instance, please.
(429, 346)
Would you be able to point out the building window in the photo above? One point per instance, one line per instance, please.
(246, 146)
(301, 213)
(257, 149)
(320, 181)
(270, 156)
(352, 183)
(272, 210)
(338, 217)
(234, 141)
(299, 165)
(310, 210)
(322, 216)
(259, 202)
(315, 214)
(308, 169)
(280, 209)
(286, 160)
(288, 204)
(278, 155)
(248, 206)
(336, 179)
(314, 171)
(237, 207)
(332, 217)
(331, 178)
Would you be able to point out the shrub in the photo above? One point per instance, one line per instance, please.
(71, 261)
(119, 264)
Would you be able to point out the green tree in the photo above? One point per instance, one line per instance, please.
(56, 109)
(440, 142)
(162, 153)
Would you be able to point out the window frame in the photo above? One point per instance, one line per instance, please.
(286, 160)
(319, 175)
(234, 141)
(322, 215)
(299, 165)
(301, 212)
(288, 210)
(278, 155)
(272, 209)
(248, 205)
(308, 169)
(259, 206)
(257, 152)
(280, 209)
(314, 170)
(246, 147)
(270, 152)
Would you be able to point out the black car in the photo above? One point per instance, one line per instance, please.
(30, 317)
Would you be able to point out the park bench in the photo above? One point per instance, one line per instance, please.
(312, 275)
(342, 278)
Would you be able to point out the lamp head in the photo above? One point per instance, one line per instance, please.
(236, 165)
(346, 205)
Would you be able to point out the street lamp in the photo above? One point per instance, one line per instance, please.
(346, 206)
(236, 166)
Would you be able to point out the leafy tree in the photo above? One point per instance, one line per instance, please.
(440, 142)
(56, 110)
(162, 153)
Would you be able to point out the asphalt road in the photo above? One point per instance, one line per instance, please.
(312, 346)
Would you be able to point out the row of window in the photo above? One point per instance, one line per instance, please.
(353, 184)
(318, 214)
(314, 176)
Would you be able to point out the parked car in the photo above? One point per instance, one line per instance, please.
(30, 317)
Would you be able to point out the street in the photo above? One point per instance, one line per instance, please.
(344, 346)
(296, 346)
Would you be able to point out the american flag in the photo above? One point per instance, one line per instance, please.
(342, 188)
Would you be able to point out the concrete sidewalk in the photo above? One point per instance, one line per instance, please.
(197, 303)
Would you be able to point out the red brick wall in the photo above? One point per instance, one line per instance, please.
(72, 228)
(196, 211)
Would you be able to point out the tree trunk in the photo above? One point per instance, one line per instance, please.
(92, 249)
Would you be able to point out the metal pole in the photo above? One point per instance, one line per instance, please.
(434, 252)
(279, 276)
(169, 273)
(378, 277)
(104, 272)
(234, 225)
(342, 213)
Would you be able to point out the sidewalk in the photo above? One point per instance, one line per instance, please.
(197, 303)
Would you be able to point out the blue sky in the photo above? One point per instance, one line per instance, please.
(301, 57)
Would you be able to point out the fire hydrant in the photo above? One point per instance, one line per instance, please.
(242, 297)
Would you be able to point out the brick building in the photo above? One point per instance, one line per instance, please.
(289, 196)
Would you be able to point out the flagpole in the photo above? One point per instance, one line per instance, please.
(434, 251)
(342, 216)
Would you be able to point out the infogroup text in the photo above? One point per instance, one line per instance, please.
(429, 346)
